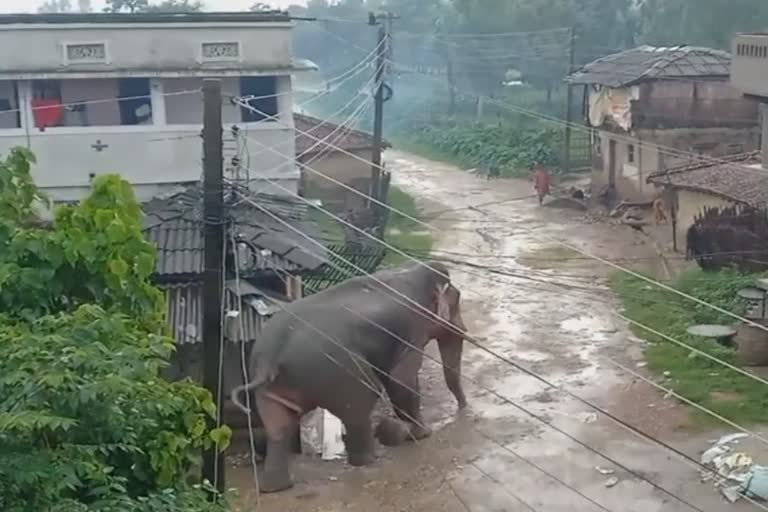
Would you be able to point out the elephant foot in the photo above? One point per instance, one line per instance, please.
(419, 432)
(277, 472)
(361, 459)
(392, 432)
(274, 483)
(360, 445)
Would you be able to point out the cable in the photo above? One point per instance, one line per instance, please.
(551, 239)
(668, 150)
(106, 100)
(338, 219)
(244, 364)
(434, 317)
(220, 378)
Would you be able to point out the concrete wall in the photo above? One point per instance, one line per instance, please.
(749, 68)
(161, 48)
(156, 157)
(689, 205)
(343, 168)
(764, 143)
(665, 104)
(652, 152)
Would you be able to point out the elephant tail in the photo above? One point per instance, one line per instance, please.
(262, 378)
(235, 396)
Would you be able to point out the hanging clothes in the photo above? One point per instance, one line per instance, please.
(47, 112)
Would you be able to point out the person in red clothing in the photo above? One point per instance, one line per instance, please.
(541, 181)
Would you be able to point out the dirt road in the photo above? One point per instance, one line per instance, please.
(495, 456)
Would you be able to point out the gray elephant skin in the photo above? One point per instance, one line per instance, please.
(339, 349)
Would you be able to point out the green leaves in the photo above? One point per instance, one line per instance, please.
(87, 424)
(513, 149)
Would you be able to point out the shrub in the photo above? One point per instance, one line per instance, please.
(86, 422)
(514, 149)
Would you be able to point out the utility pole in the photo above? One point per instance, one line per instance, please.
(569, 103)
(213, 239)
(378, 116)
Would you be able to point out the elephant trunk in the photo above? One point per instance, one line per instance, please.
(451, 345)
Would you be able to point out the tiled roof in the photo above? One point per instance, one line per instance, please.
(651, 63)
(174, 224)
(737, 178)
(346, 139)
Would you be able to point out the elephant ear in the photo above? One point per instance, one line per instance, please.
(442, 301)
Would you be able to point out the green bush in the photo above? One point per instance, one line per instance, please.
(86, 421)
(695, 377)
(513, 149)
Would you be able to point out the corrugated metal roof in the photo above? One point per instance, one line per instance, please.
(185, 306)
(174, 224)
(653, 63)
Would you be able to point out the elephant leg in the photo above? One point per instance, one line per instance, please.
(404, 392)
(280, 423)
(450, 352)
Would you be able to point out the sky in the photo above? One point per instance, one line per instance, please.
(211, 5)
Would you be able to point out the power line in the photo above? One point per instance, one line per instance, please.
(551, 239)
(469, 338)
(427, 266)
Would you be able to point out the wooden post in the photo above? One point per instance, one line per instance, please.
(213, 239)
(569, 105)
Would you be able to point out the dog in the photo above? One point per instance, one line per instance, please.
(660, 216)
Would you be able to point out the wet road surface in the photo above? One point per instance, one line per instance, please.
(548, 309)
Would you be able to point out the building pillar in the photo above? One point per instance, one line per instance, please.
(157, 92)
(764, 143)
(26, 118)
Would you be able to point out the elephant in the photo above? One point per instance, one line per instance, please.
(335, 350)
(403, 384)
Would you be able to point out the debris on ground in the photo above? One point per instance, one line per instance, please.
(611, 482)
(604, 471)
(734, 473)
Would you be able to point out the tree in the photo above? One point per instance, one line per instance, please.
(131, 6)
(55, 6)
(175, 6)
(699, 22)
(87, 424)
(170, 6)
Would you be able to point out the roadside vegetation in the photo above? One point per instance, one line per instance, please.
(724, 391)
(87, 424)
(471, 144)
(403, 233)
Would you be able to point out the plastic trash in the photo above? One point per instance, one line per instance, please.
(604, 471)
(611, 482)
(757, 484)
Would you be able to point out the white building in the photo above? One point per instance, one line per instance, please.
(103, 93)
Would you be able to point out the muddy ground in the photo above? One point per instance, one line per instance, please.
(550, 310)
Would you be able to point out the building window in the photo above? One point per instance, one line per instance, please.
(99, 102)
(631, 153)
(260, 93)
(10, 116)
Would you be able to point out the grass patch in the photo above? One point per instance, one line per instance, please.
(331, 230)
(403, 233)
(730, 394)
